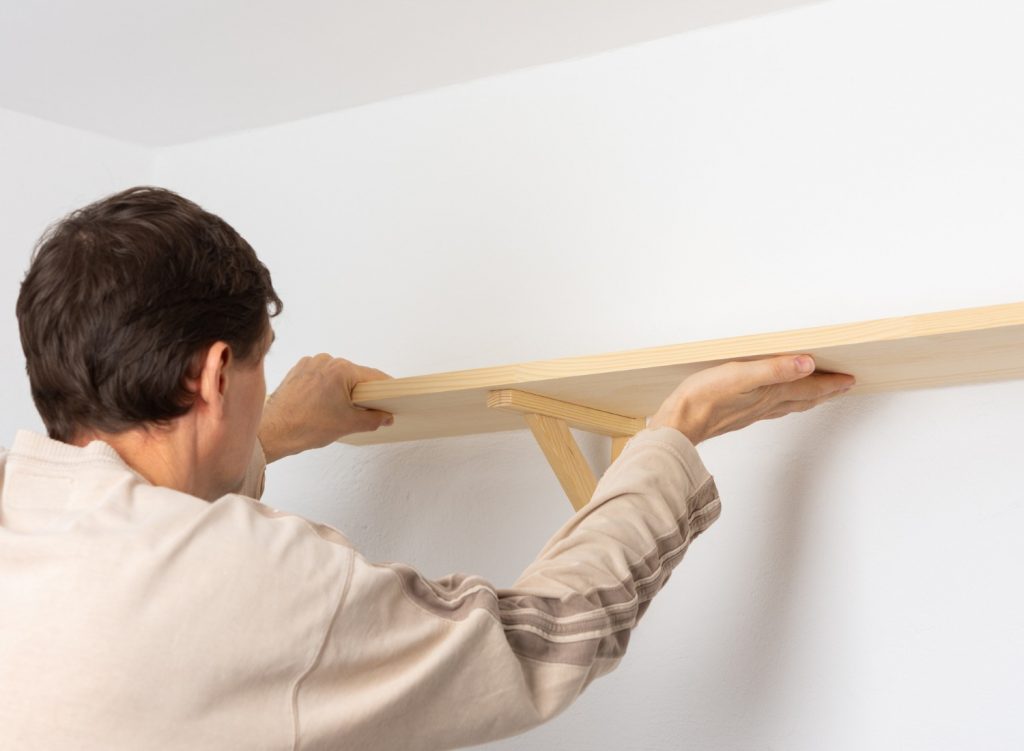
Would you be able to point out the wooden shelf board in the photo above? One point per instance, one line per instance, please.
(969, 345)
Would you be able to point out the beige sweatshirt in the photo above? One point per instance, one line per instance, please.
(138, 617)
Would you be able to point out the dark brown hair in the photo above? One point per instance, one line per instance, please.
(122, 299)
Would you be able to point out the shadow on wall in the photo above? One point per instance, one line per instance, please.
(483, 504)
(487, 503)
(762, 639)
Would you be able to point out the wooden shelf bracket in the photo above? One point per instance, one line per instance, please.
(550, 419)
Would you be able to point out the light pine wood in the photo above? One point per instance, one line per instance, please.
(550, 420)
(971, 345)
(618, 443)
(564, 456)
(577, 416)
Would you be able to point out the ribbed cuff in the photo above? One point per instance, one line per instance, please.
(679, 443)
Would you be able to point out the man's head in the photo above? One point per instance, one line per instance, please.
(142, 311)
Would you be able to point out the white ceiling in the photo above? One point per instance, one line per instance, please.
(159, 73)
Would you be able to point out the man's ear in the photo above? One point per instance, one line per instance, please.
(213, 379)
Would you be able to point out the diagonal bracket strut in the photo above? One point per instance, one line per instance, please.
(550, 420)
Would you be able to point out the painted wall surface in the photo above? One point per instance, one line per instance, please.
(842, 161)
(46, 171)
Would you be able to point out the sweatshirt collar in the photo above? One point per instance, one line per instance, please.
(32, 445)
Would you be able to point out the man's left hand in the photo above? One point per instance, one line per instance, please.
(313, 406)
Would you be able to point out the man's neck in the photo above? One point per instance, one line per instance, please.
(166, 458)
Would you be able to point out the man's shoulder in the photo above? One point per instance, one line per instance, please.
(246, 522)
(250, 530)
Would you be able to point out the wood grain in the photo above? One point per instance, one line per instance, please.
(970, 345)
(564, 456)
(576, 416)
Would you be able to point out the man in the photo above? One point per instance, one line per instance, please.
(149, 600)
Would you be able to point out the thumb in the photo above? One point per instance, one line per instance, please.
(371, 419)
(781, 369)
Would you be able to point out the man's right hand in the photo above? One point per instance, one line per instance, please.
(736, 394)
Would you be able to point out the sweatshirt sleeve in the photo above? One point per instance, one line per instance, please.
(411, 663)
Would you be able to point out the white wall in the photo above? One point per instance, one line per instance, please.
(842, 161)
(46, 170)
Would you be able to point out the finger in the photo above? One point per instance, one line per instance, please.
(815, 386)
(378, 375)
(364, 373)
(753, 374)
(794, 383)
(371, 419)
(299, 365)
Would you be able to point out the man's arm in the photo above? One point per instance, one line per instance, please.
(407, 662)
(255, 474)
(311, 408)
(413, 663)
